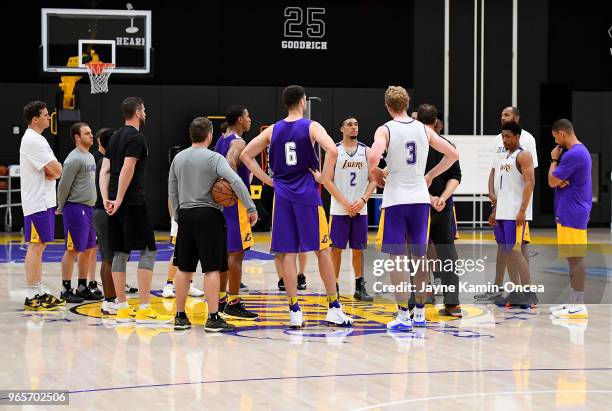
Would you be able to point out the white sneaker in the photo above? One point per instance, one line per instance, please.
(418, 319)
(296, 319)
(168, 291)
(437, 283)
(558, 307)
(401, 322)
(572, 311)
(335, 316)
(194, 292)
(108, 308)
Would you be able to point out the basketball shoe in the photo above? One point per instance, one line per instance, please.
(296, 317)
(572, 311)
(402, 321)
(418, 317)
(150, 316)
(38, 304)
(335, 316)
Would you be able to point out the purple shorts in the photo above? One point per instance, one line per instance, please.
(239, 235)
(508, 235)
(344, 229)
(297, 228)
(79, 232)
(40, 227)
(404, 224)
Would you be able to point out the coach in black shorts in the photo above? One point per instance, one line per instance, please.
(122, 186)
(202, 233)
(441, 223)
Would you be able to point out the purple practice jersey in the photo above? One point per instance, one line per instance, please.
(223, 146)
(573, 203)
(291, 156)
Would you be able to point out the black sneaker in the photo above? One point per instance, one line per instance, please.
(361, 294)
(49, 299)
(301, 281)
(38, 304)
(243, 287)
(130, 290)
(218, 325)
(93, 287)
(222, 305)
(238, 310)
(451, 311)
(281, 285)
(86, 294)
(71, 297)
(181, 323)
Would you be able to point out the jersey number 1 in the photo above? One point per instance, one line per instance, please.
(290, 154)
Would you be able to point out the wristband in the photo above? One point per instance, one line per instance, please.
(554, 160)
(364, 201)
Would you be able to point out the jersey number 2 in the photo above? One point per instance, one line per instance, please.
(290, 154)
(353, 177)
(411, 156)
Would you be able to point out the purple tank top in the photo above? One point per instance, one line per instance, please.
(291, 156)
(222, 147)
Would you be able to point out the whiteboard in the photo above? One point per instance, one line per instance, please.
(475, 153)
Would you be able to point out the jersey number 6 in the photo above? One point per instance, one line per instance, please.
(290, 154)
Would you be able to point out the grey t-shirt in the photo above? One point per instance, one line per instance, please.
(192, 175)
(77, 184)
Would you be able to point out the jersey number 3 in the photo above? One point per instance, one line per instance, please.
(290, 154)
(411, 155)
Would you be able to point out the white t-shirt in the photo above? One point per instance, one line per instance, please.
(528, 143)
(37, 193)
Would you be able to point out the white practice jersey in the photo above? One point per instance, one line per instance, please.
(528, 143)
(511, 186)
(406, 160)
(351, 177)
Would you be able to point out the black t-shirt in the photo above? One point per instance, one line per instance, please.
(128, 142)
(439, 183)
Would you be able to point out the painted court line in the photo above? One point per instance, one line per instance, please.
(306, 377)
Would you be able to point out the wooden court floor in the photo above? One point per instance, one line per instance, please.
(492, 359)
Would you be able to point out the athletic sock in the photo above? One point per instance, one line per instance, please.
(232, 299)
(578, 297)
(32, 291)
(144, 306)
(181, 314)
(82, 284)
(420, 305)
(222, 295)
(293, 304)
(213, 316)
(67, 284)
(402, 306)
(333, 301)
(119, 305)
(169, 281)
(110, 299)
(41, 288)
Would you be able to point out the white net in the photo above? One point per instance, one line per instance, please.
(98, 76)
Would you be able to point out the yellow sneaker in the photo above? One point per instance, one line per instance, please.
(150, 316)
(125, 315)
(38, 304)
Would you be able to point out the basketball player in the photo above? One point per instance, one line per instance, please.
(102, 137)
(39, 170)
(528, 143)
(122, 185)
(570, 175)
(516, 182)
(298, 218)
(100, 222)
(406, 203)
(348, 210)
(76, 196)
(239, 235)
(192, 176)
(442, 228)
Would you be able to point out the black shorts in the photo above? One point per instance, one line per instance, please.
(130, 229)
(202, 236)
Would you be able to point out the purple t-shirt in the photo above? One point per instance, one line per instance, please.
(223, 146)
(291, 156)
(573, 203)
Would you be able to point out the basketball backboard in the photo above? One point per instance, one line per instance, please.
(72, 37)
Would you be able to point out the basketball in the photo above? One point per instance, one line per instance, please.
(223, 194)
(3, 185)
(3, 170)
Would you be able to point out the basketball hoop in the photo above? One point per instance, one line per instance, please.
(98, 76)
